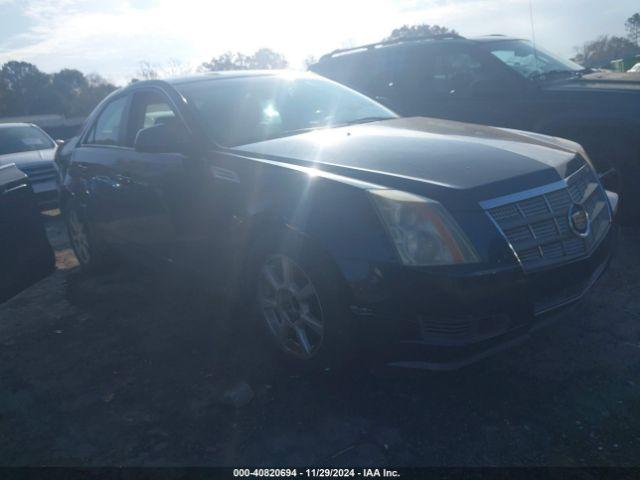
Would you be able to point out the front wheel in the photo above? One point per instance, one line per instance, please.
(300, 308)
(290, 306)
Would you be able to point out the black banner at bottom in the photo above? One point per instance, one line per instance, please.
(444, 473)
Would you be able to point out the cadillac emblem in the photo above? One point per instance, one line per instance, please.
(579, 221)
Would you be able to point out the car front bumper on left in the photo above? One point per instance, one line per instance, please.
(43, 178)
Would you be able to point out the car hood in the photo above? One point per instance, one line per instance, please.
(22, 159)
(446, 155)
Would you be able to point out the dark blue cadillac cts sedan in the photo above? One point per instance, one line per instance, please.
(342, 225)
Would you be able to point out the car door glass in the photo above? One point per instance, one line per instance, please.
(156, 114)
(150, 108)
(456, 72)
(403, 74)
(107, 129)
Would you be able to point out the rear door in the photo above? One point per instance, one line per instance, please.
(93, 168)
(465, 84)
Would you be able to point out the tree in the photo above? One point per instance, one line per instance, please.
(175, 68)
(98, 88)
(600, 52)
(263, 59)
(25, 90)
(633, 28)
(267, 59)
(148, 71)
(226, 61)
(68, 86)
(152, 71)
(412, 31)
(309, 60)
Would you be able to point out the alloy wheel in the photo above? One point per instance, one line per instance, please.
(290, 305)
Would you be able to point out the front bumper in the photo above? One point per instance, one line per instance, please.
(447, 321)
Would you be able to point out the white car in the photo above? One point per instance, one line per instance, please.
(635, 68)
(33, 152)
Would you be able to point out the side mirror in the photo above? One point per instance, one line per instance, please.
(59, 142)
(163, 138)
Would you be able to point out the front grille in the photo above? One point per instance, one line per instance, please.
(443, 330)
(536, 223)
(40, 172)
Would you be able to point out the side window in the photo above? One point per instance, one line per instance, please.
(426, 71)
(149, 108)
(107, 130)
(382, 75)
(402, 73)
(456, 72)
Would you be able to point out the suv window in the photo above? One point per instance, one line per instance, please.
(455, 72)
(430, 71)
(107, 130)
(149, 108)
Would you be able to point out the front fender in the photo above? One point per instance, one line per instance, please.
(333, 214)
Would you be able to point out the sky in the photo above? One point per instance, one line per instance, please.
(112, 37)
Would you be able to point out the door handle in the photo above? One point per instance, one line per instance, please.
(82, 166)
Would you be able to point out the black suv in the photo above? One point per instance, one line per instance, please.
(506, 82)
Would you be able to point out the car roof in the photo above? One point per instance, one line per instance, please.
(421, 40)
(217, 75)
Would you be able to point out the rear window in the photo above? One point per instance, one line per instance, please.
(23, 139)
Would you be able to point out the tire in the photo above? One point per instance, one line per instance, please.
(299, 307)
(89, 251)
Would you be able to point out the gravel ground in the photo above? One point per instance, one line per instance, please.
(128, 368)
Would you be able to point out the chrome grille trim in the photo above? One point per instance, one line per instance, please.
(39, 172)
(535, 222)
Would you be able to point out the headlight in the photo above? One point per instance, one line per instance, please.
(422, 230)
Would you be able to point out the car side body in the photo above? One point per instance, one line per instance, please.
(206, 208)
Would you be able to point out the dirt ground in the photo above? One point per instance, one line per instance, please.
(129, 368)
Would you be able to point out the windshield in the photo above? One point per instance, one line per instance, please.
(23, 139)
(251, 109)
(529, 62)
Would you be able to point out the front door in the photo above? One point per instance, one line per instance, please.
(170, 200)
